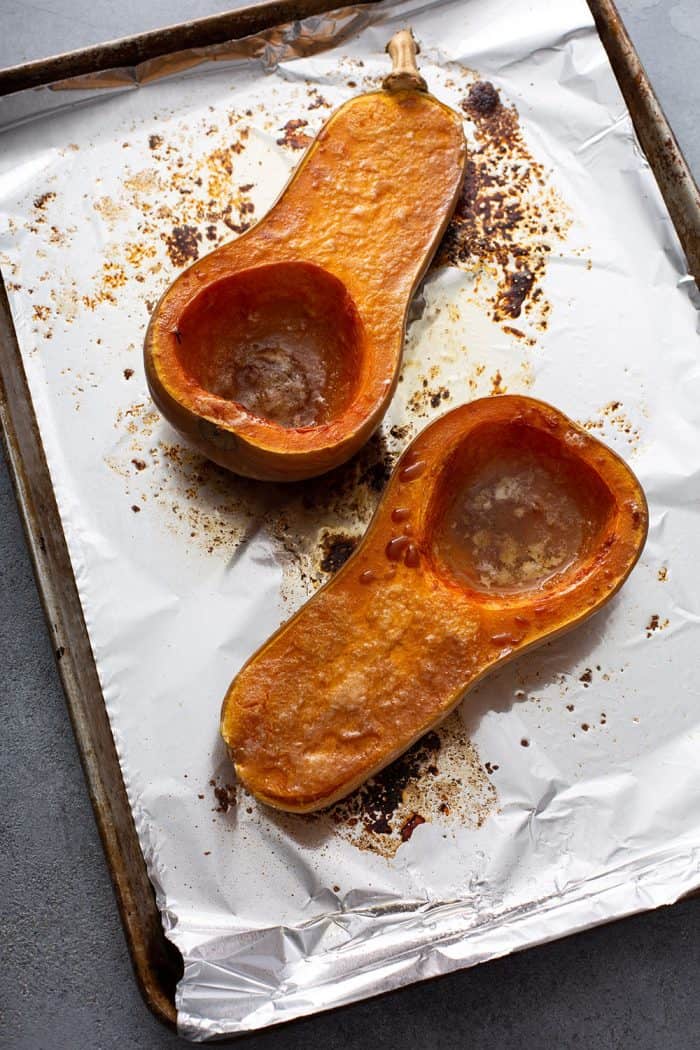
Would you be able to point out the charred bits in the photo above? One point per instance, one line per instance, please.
(482, 100)
(293, 136)
(225, 795)
(336, 549)
(509, 303)
(376, 802)
(182, 244)
(508, 216)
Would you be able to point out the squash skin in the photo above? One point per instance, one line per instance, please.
(366, 667)
(367, 205)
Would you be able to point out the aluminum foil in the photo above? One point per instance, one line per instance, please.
(566, 790)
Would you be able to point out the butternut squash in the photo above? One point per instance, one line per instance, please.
(503, 525)
(277, 354)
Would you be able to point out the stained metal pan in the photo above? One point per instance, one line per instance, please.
(156, 962)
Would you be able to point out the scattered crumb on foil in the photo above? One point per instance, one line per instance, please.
(612, 420)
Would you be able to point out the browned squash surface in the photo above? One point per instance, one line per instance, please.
(277, 354)
(503, 525)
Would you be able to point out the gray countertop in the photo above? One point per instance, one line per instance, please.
(67, 981)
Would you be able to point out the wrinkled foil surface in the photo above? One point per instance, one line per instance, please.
(565, 791)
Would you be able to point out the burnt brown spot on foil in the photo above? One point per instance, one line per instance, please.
(336, 549)
(155, 141)
(128, 372)
(510, 301)
(217, 511)
(482, 99)
(182, 244)
(612, 417)
(428, 395)
(225, 796)
(509, 217)
(381, 796)
(439, 780)
(41, 201)
(293, 136)
(655, 624)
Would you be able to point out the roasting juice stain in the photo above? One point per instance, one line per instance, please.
(336, 549)
(313, 525)
(439, 780)
(41, 202)
(612, 419)
(509, 216)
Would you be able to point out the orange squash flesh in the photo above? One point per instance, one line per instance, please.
(277, 354)
(503, 525)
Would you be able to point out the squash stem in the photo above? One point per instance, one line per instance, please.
(404, 74)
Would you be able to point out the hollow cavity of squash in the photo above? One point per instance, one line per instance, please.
(284, 341)
(519, 511)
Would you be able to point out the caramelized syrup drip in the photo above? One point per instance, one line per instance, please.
(412, 558)
(396, 547)
(412, 470)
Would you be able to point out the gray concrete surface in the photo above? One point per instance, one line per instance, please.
(66, 981)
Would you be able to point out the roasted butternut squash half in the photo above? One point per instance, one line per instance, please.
(503, 525)
(276, 355)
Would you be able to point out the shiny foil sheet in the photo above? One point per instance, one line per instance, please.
(565, 791)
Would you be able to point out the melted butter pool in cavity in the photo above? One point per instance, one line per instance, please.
(515, 525)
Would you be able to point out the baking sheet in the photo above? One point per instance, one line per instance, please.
(569, 778)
